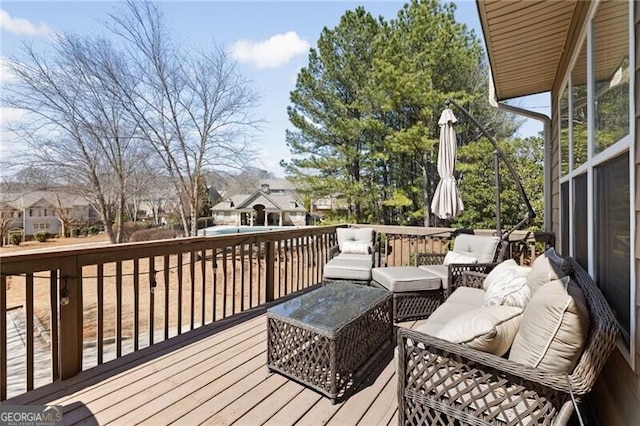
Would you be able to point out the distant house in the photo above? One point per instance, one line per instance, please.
(274, 204)
(44, 211)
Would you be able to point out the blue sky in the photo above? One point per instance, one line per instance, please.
(270, 40)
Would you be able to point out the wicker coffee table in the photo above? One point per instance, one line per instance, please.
(330, 338)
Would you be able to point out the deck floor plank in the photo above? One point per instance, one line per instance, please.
(168, 352)
(199, 393)
(296, 409)
(211, 376)
(271, 405)
(193, 377)
(153, 381)
(357, 405)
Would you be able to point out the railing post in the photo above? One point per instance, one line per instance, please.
(70, 326)
(270, 261)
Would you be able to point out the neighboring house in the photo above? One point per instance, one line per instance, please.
(585, 54)
(264, 207)
(42, 211)
(324, 205)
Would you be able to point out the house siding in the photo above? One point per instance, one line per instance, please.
(615, 399)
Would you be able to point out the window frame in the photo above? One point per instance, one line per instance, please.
(625, 144)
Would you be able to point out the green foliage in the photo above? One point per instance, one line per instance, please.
(15, 238)
(477, 188)
(41, 236)
(365, 109)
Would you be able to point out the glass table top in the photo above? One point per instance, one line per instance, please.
(331, 306)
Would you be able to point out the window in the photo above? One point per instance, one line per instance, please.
(30, 212)
(580, 229)
(613, 238)
(596, 156)
(579, 115)
(564, 133)
(611, 73)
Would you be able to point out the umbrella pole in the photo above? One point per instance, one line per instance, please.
(530, 212)
(496, 170)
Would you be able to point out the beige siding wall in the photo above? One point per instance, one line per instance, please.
(615, 400)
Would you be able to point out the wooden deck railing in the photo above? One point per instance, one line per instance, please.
(84, 307)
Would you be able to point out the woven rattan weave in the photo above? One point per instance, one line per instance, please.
(330, 338)
(442, 383)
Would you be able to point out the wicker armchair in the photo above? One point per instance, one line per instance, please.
(433, 262)
(442, 383)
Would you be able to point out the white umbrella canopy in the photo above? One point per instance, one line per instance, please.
(447, 203)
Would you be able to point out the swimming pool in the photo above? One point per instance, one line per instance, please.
(226, 230)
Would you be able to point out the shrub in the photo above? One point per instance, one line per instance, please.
(15, 239)
(92, 230)
(75, 232)
(154, 234)
(41, 236)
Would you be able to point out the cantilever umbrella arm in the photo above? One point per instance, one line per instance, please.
(531, 214)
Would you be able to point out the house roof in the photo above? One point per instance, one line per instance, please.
(20, 201)
(525, 41)
(271, 202)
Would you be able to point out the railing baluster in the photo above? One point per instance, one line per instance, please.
(179, 303)
(100, 313)
(192, 276)
(259, 270)
(203, 270)
(136, 304)
(3, 337)
(242, 263)
(29, 331)
(166, 263)
(152, 290)
(224, 282)
(251, 248)
(233, 279)
(214, 284)
(53, 296)
(118, 309)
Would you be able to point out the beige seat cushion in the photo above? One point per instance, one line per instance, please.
(441, 271)
(462, 300)
(481, 247)
(489, 329)
(554, 328)
(348, 268)
(357, 235)
(400, 279)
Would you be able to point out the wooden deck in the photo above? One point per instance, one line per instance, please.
(213, 375)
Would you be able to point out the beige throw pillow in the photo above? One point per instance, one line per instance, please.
(554, 328)
(544, 269)
(489, 329)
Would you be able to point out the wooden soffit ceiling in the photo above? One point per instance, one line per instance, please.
(525, 40)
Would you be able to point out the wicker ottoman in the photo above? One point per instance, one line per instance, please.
(330, 338)
(416, 292)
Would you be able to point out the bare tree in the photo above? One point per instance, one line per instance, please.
(79, 128)
(193, 106)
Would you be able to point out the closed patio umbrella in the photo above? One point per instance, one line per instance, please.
(447, 203)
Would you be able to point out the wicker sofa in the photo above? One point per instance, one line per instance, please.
(444, 383)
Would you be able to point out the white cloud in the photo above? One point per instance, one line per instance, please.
(21, 26)
(278, 50)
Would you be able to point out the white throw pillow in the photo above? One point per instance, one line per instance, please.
(508, 267)
(489, 329)
(453, 257)
(353, 247)
(509, 290)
